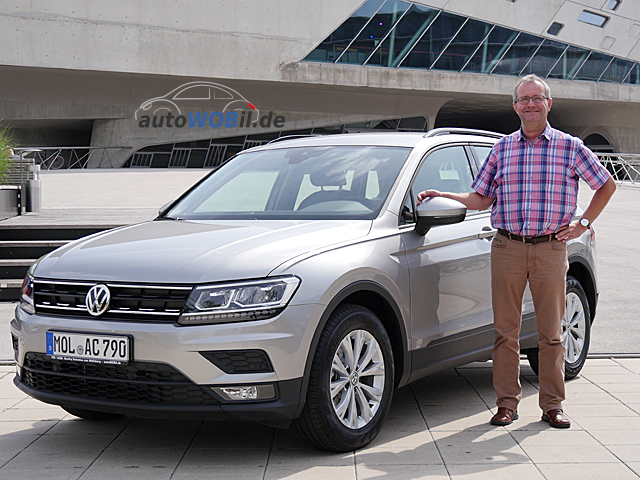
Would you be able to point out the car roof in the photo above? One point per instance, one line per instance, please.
(391, 139)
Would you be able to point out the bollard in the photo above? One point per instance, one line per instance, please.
(32, 192)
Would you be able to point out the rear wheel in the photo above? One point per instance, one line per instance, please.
(350, 384)
(91, 414)
(576, 331)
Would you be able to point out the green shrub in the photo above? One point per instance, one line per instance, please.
(6, 144)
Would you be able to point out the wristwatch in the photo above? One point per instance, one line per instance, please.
(585, 222)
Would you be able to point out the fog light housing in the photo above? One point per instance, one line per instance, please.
(243, 393)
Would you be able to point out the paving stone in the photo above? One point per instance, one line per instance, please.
(568, 454)
(587, 471)
(310, 473)
(526, 471)
(407, 472)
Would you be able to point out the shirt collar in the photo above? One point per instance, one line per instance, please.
(546, 133)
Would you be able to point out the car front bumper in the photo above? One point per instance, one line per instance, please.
(168, 376)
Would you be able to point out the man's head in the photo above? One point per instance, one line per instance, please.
(532, 102)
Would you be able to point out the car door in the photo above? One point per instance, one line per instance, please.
(481, 152)
(449, 269)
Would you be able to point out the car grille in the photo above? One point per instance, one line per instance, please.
(151, 303)
(138, 383)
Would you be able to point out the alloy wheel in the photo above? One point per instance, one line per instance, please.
(357, 379)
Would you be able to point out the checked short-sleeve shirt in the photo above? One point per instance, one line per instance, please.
(535, 185)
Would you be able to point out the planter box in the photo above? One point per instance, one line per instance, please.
(9, 201)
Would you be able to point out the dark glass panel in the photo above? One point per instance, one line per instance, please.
(491, 50)
(334, 44)
(407, 31)
(617, 70)
(634, 77)
(463, 46)
(413, 124)
(593, 67)
(555, 28)
(433, 41)
(374, 32)
(569, 63)
(518, 54)
(545, 58)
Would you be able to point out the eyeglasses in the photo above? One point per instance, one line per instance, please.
(536, 99)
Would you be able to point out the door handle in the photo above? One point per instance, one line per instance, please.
(487, 232)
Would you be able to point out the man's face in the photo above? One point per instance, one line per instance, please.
(532, 113)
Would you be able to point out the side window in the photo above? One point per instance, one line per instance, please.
(447, 170)
(482, 152)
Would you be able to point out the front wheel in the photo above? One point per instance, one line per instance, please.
(350, 384)
(576, 331)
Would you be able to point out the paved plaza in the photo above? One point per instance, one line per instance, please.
(437, 429)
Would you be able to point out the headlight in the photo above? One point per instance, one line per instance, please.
(238, 302)
(26, 295)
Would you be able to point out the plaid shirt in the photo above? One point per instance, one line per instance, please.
(536, 185)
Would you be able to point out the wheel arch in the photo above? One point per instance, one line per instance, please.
(376, 298)
(580, 269)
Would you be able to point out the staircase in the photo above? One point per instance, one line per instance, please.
(20, 247)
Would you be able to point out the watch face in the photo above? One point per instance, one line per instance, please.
(584, 222)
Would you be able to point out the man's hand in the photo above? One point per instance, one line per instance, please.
(428, 194)
(569, 232)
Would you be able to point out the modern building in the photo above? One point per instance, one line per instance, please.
(186, 83)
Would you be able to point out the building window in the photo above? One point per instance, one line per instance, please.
(593, 18)
(613, 4)
(555, 28)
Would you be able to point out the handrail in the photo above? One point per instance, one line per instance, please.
(624, 167)
(59, 158)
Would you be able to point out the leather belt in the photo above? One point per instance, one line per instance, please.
(534, 240)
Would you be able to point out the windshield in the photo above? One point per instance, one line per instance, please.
(335, 182)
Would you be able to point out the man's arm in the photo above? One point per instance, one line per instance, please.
(597, 204)
(473, 200)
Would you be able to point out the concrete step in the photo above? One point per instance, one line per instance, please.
(13, 249)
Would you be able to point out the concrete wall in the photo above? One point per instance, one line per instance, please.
(89, 65)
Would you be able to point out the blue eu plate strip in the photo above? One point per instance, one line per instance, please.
(50, 343)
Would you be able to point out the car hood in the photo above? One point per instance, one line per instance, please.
(178, 252)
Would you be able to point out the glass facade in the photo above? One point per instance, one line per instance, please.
(401, 34)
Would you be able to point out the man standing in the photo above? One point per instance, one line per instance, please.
(531, 179)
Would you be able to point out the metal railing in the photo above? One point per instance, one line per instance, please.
(59, 158)
(624, 167)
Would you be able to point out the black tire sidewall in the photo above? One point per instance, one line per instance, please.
(573, 369)
(339, 326)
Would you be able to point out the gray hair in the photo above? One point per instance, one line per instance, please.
(531, 78)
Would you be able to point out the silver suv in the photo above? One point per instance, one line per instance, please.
(297, 282)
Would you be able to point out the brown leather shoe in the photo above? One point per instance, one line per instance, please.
(556, 418)
(505, 416)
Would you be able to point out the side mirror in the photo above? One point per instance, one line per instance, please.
(439, 211)
(165, 208)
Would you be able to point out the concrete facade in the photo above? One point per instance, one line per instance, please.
(75, 71)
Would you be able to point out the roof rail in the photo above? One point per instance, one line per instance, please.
(290, 137)
(462, 131)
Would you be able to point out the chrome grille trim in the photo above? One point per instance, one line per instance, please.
(129, 302)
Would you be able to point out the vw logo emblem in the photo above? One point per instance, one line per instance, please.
(97, 300)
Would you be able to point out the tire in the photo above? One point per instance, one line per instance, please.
(91, 414)
(351, 416)
(576, 331)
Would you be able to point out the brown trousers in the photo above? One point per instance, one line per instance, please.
(544, 266)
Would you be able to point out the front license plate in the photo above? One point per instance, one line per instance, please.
(89, 348)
